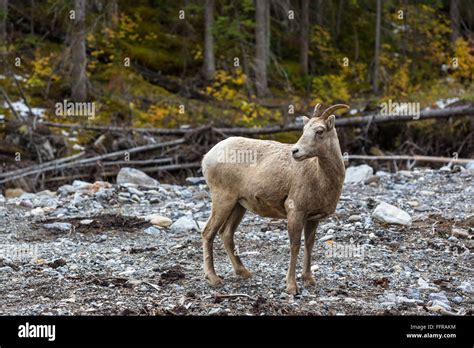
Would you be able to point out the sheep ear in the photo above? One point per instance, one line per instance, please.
(330, 122)
(305, 120)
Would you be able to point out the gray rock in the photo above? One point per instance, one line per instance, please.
(104, 194)
(358, 173)
(135, 176)
(195, 180)
(215, 311)
(184, 224)
(441, 296)
(458, 299)
(66, 189)
(445, 305)
(413, 293)
(466, 287)
(354, 218)
(470, 165)
(134, 191)
(407, 301)
(6, 269)
(152, 230)
(390, 214)
(59, 226)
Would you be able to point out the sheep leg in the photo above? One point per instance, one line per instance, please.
(221, 209)
(228, 238)
(295, 227)
(309, 235)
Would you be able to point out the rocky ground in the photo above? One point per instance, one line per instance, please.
(125, 249)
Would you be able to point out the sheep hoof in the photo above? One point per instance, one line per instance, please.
(215, 281)
(292, 289)
(244, 273)
(308, 281)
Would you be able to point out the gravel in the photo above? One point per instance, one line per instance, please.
(94, 252)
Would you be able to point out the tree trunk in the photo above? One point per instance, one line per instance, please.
(260, 48)
(78, 53)
(319, 13)
(304, 49)
(375, 81)
(3, 28)
(267, 31)
(454, 17)
(209, 68)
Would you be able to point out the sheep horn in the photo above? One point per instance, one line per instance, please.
(330, 110)
(317, 110)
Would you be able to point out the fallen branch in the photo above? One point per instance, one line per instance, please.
(36, 170)
(223, 296)
(43, 165)
(340, 122)
(416, 158)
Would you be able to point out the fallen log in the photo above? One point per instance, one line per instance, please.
(459, 111)
(35, 170)
(411, 158)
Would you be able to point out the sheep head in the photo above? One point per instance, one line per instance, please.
(318, 133)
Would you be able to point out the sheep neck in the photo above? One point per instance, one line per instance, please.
(331, 164)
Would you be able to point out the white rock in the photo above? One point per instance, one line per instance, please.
(354, 218)
(381, 173)
(135, 176)
(325, 238)
(37, 211)
(81, 185)
(2, 199)
(184, 224)
(470, 165)
(86, 222)
(388, 213)
(159, 220)
(358, 173)
(466, 287)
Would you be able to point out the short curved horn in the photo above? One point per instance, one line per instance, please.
(333, 108)
(317, 110)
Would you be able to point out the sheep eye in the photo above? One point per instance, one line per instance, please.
(319, 132)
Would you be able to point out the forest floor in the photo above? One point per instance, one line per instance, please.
(104, 259)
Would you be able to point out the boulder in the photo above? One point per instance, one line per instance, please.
(184, 224)
(135, 176)
(358, 173)
(390, 214)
